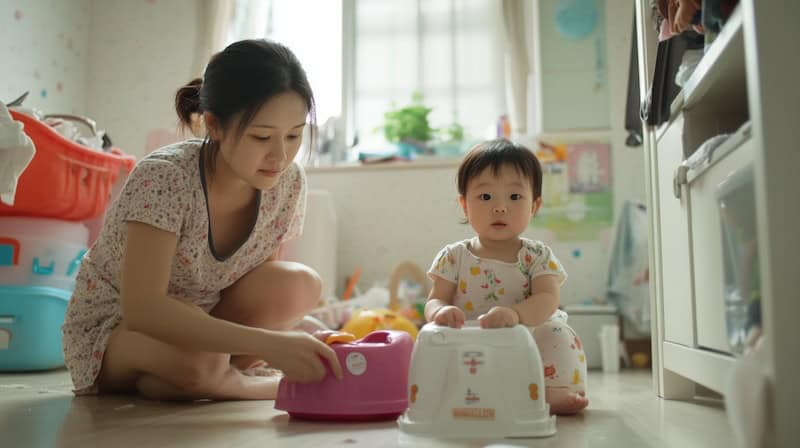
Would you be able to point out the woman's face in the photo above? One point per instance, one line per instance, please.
(268, 144)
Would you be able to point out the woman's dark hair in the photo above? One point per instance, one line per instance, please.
(498, 153)
(238, 81)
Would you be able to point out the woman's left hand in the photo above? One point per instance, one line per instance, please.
(499, 317)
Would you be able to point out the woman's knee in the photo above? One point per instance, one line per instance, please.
(279, 288)
(296, 292)
(309, 286)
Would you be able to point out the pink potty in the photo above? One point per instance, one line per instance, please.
(374, 385)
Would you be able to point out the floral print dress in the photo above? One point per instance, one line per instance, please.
(167, 190)
(483, 283)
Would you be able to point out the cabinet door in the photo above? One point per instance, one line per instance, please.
(676, 270)
(707, 247)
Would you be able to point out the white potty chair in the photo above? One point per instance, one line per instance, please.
(476, 383)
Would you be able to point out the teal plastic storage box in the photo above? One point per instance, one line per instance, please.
(30, 327)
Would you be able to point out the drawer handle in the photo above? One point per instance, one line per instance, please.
(679, 179)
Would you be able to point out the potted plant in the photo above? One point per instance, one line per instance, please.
(450, 142)
(408, 126)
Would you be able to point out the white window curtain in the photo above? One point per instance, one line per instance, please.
(517, 22)
(312, 29)
(451, 51)
(213, 26)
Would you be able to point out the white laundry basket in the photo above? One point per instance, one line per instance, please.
(477, 383)
(41, 252)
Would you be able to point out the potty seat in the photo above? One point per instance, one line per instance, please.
(476, 383)
(373, 387)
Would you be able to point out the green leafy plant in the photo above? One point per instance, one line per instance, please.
(409, 123)
(452, 133)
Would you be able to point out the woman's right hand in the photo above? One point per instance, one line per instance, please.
(301, 357)
(450, 316)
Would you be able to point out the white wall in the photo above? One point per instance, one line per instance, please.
(393, 214)
(141, 52)
(44, 49)
(117, 61)
(390, 214)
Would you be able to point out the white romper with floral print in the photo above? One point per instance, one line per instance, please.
(167, 190)
(482, 283)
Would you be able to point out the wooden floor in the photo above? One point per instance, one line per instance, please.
(38, 410)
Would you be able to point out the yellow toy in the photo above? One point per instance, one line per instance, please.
(366, 321)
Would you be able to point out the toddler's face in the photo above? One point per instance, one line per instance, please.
(270, 142)
(499, 207)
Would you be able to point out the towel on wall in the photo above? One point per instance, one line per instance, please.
(16, 152)
(628, 267)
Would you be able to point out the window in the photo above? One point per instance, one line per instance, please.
(313, 31)
(450, 51)
(364, 56)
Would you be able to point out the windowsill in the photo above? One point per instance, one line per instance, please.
(418, 164)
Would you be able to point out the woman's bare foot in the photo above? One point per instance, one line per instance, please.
(564, 402)
(234, 386)
(261, 368)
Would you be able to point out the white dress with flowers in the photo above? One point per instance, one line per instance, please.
(483, 283)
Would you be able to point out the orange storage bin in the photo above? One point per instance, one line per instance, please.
(65, 180)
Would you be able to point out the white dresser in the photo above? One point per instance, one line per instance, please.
(745, 86)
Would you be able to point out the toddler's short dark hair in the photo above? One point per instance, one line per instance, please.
(498, 153)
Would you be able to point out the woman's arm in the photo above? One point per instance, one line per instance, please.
(540, 305)
(146, 308)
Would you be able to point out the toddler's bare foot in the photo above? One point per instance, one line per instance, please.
(564, 402)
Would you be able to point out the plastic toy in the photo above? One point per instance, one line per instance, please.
(367, 321)
(374, 385)
(477, 383)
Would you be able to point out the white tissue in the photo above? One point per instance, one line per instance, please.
(16, 152)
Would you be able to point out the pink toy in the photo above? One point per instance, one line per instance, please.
(374, 385)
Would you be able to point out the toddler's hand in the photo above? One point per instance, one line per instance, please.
(499, 317)
(300, 357)
(450, 316)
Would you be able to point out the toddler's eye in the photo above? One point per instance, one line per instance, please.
(485, 197)
(516, 197)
